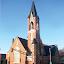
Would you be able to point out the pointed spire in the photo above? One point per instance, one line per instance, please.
(33, 10)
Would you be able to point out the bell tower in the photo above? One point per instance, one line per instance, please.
(33, 26)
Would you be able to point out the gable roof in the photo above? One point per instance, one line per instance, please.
(53, 50)
(24, 42)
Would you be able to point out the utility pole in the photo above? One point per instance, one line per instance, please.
(0, 56)
(50, 55)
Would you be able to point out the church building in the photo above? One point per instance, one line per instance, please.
(32, 50)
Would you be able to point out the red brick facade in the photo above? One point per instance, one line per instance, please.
(10, 54)
(30, 51)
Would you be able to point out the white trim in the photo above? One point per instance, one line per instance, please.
(32, 50)
(32, 44)
(25, 51)
(32, 30)
(29, 56)
(29, 59)
(16, 41)
(16, 62)
(7, 53)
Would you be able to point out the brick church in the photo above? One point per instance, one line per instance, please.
(32, 50)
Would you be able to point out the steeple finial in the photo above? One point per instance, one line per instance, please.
(33, 10)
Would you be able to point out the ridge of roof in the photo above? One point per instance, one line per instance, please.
(22, 38)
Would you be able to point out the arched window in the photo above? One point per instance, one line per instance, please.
(31, 25)
(16, 55)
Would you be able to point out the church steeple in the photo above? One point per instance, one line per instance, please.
(33, 26)
(33, 11)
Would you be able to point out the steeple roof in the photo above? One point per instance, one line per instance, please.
(33, 10)
(34, 41)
